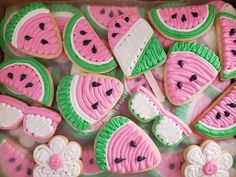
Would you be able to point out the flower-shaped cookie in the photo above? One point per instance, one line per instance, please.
(59, 159)
(208, 160)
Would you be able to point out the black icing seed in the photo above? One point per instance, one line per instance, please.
(30, 84)
(43, 41)
(120, 12)
(232, 105)
(10, 75)
(218, 115)
(234, 52)
(137, 79)
(127, 19)
(29, 171)
(18, 168)
(232, 31)
(174, 16)
(118, 160)
(114, 34)
(91, 161)
(94, 49)
(140, 158)
(96, 84)
(193, 78)
(95, 105)
(183, 19)
(22, 77)
(27, 37)
(133, 144)
(181, 63)
(41, 26)
(109, 92)
(12, 159)
(234, 41)
(111, 14)
(194, 14)
(144, 85)
(117, 25)
(86, 42)
(171, 166)
(82, 32)
(227, 113)
(102, 11)
(180, 85)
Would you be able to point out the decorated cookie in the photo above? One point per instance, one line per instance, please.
(14, 161)
(83, 100)
(100, 17)
(27, 77)
(122, 147)
(85, 48)
(183, 23)
(59, 158)
(206, 160)
(189, 69)
(227, 41)
(168, 129)
(218, 120)
(134, 45)
(33, 31)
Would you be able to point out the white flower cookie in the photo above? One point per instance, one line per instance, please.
(208, 160)
(59, 158)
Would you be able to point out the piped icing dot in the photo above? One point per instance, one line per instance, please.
(96, 84)
(174, 16)
(210, 168)
(30, 84)
(127, 19)
(44, 41)
(137, 79)
(183, 19)
(102, 11)
(82, 32)
(22, 77)
(94, 49)
(218, 115)
(181, 63)
(109, 92)
(227, 113)
(114, 34)
(140, 158)
(42, 26)
(194, 14)
(234, 41)
(29, 171)
(18, 168)
(193, 78)
(91, 161)
(27, 37)
(232, 31)
(95, 105)
(180, 85)
(55, 161)
(171, 166)
(86, 42)
(120, 12)
(12, 159)
(119, 160)
(232, 105)
(10, 75)
(233, 52)
(117, 25)
(133, 144)
(111, 14)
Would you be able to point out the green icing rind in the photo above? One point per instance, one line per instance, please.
(75, 58)
(181, 111)
(198, 49)
(47, 80)
(152, 56)
(215, 133)
(103, 138)
(225, 14)
(158, 120)
(1, 138)
(17, 17)
(62, 8)
(65, 106)
(229, 75)
(177, 34)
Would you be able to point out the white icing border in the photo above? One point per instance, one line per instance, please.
(23, 20)
(214, 128)
(75, 104)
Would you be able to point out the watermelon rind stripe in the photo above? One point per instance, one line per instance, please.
(62, 8)
(103, 138)
(1, 138)
(225, 14)
(176, 34)
(65, 106)
(75, 58)
(17, 18)
(198, 49)
(46, 78)
(152, 56)
(215, 133)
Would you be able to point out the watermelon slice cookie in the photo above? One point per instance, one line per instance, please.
(189, 69)
(134, 44)
(122, 147)
(33, 31)
(219, 119)
(84, 100)
(183, 23)
(227, 42)
(14, 160)
(27, 77)
(100, 17)
(85, 48)
(167, 128)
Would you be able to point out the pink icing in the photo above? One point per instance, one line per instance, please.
(31, 28)
(166, 43)
(87, 95)
(217, 4)
(227, 43)
(124, 28)
(17, 70)
(223, 105)
(55, 162)
(90, 165)
(119, 147)
(210, 168)
(184, 13)
(102, 53)
(15, 162)
(61, 22)
(193, 65)
(105, 14)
